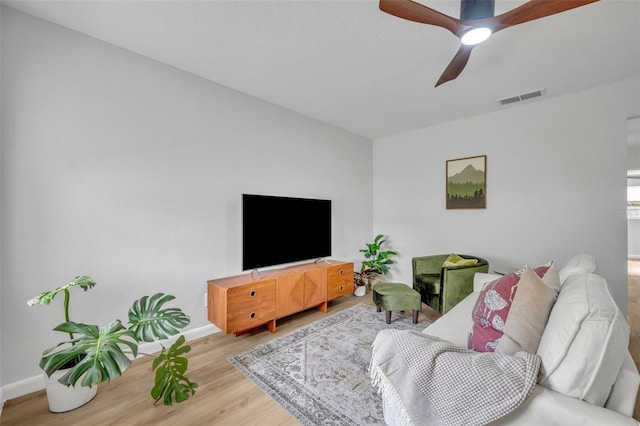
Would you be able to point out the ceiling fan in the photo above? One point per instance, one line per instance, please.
(477, 22)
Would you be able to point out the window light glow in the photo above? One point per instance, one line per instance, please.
(476, 36)
(633, 193)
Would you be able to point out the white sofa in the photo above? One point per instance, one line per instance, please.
(587, 376)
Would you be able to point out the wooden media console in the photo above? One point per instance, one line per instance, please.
(242, 302)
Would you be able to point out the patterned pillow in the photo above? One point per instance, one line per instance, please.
(529, 312)
(492, 309)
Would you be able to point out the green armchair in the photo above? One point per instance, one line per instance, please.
(443, 287)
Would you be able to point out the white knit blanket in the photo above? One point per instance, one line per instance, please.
(426, 380)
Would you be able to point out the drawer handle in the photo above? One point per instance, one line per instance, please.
(341, 287)
(252, 314)
(252, 293)
(341, 272)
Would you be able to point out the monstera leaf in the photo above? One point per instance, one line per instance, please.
(102, 354)
(97, 353)
(170, 367)
(149, 322)
(84, 282)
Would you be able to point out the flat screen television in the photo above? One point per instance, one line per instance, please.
(278, 230)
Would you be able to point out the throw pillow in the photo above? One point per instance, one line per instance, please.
(585, 341)
(529, 313)
(456, 260)
(492, 309)
(552, 278)
(582, 263)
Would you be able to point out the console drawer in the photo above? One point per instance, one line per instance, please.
(339, 280)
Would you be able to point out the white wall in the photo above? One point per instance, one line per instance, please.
(633, 140)
(1, 239)
(633, 239)
(633, 163)
(555, 185)
(131, 171)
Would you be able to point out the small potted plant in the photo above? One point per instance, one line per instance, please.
(94, 354)
(376, 264)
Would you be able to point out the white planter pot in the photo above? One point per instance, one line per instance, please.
(62, 398)
(360, 290)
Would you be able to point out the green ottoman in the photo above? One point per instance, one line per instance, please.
(397, 297)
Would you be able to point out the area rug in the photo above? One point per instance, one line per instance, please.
(320, 372)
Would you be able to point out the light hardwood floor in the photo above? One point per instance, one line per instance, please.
(224, 395)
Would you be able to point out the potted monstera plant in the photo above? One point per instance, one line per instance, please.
(375, 265)
(94, 354)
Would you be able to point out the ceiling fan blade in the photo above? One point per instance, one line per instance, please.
(412, 11)
(535, 9)
(456, 65)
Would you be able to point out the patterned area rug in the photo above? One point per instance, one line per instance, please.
(320, 373)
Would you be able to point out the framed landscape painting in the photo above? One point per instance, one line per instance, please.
(467, 183)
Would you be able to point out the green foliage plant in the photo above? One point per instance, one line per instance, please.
(96, 354)
(377, 261)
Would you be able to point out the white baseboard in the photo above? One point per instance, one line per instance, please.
(22, 387)
(634, 256)
(36, 383)
(149, 348)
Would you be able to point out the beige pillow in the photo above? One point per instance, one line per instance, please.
(552, 278)
(529, 313)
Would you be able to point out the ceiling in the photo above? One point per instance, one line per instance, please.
(349, 64)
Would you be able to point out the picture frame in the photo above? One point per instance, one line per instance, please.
(466, 183)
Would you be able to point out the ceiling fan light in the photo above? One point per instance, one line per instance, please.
(476, 36)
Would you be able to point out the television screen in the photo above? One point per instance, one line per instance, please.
(278, 230)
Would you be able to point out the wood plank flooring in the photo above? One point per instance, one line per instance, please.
(224, 395)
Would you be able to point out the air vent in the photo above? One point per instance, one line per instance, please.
(523, 97)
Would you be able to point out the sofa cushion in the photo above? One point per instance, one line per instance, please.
(454, 326)
(529, 312)
(585, 341)
(492, 309)
(582, 263)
